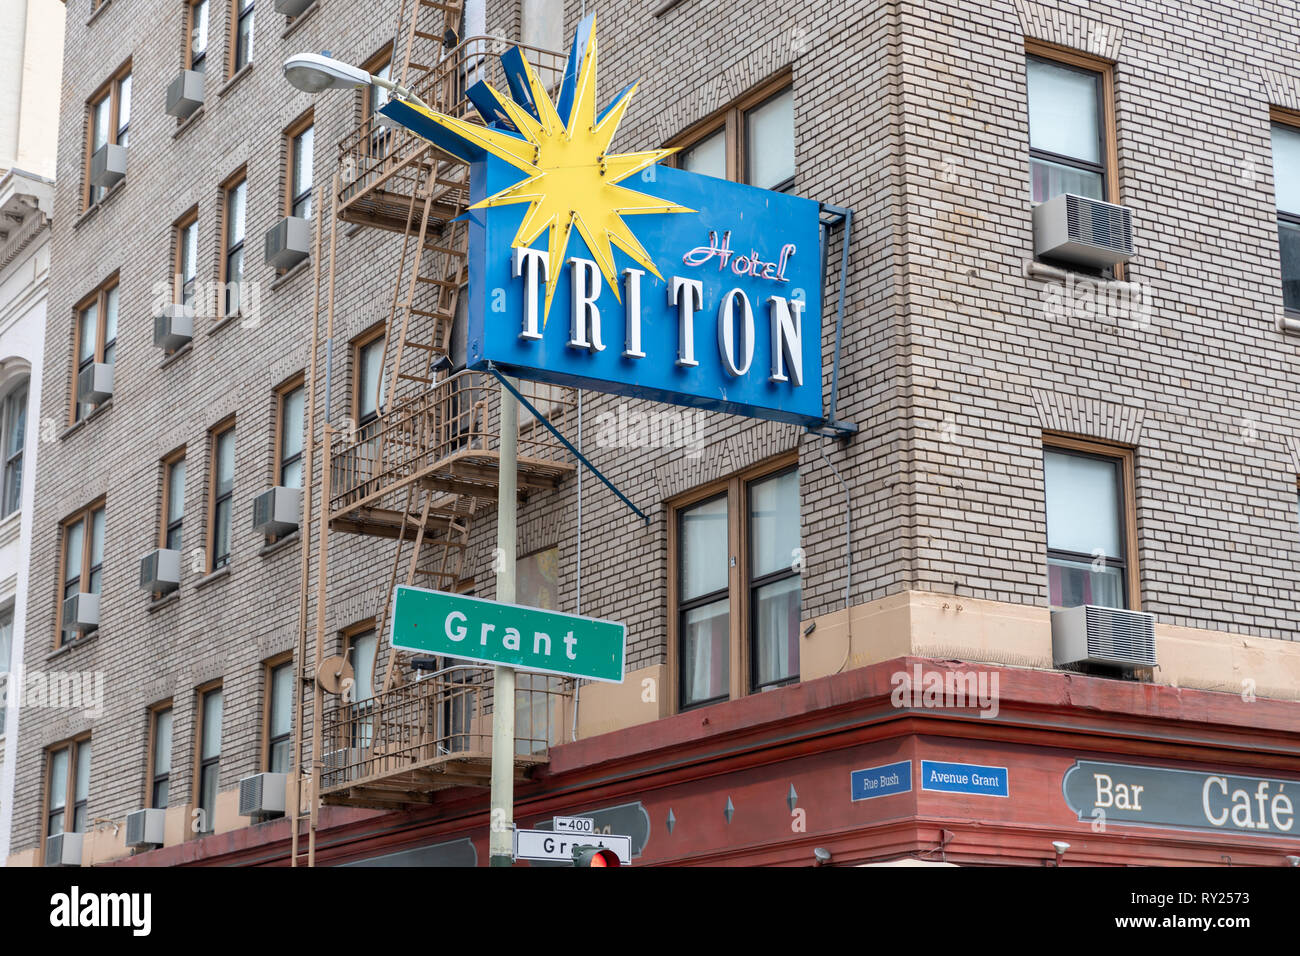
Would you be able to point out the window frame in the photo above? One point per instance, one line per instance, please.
(165, 525)
(359, 345)
(1106, 122)
(278, 461)
(13, 463)
(152, 777)
(215, 433)
(180, 229)
(226, 250)
(1123, 456)
(292, 134)
(355, 711)
(73, 747)
(86, 515)
(269, 667)
(1279, 116)
(739, 591)
(201, 694)
(99, 299)
(190, 60)
(111, 88)
(731, 120)
(233, 44)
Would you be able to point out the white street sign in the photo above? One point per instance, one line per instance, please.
(574, 824)
(547, 845)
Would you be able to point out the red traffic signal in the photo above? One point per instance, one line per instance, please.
(594, 856)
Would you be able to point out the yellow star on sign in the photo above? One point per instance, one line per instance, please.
(572, 181)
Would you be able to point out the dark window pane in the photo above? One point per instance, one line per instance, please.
(705, 644)
(1071, 583)
(776, 631)
(1288, 234)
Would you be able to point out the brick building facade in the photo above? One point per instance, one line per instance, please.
(964, 357)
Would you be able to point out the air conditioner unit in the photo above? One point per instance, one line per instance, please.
(338, 766)
(160, 570)
(173, 325)
(262, 795)
(292, 8)
(81, 612)
(276, 511)
(63, 849)
(185, 94)
(1082, 230)
(95, 383)
(1089, 634)
(288, 242)
(145, 829)
(108, 165)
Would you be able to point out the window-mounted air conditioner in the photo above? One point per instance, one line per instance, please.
(160, 570)
(173, 325)
(145, 829)
(338, 766)
(277, 510)
(1089, 634)
(81, 612)
(95, 383)
(292, 8)
(108, 165)
(262, 795)
(288, 242)
(64, 849)
(185, 94)
(1085, 231)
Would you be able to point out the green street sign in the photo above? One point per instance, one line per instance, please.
(526, 638)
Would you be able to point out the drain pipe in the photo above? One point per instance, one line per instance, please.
(848, 554)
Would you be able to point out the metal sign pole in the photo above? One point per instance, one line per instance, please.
(500, 839)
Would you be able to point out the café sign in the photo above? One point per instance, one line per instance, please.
(615, 272)
(1182, 799)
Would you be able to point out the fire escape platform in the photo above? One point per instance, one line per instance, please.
(417, 784)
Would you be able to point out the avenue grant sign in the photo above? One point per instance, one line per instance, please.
(1182, 799)
(615, 272)
(525, 638)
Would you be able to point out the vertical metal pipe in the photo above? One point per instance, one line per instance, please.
(501, 824)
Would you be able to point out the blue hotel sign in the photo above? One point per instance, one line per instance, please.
(613, 272)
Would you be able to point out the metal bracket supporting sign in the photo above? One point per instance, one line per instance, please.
(837, 216)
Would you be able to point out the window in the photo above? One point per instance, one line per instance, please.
(234, 195)
(298, 197)
(14, 425)
(196, 29)
(160, 756)
(361, 651)
(1071, 125)
(6, 657)
(1286, 179)
(67, 788)
(108, 122)
(222, 492)
(83, 558)
(173, 508)
(94, 339)
(751, 141)
(1091, 524)
(289, 443)
(370, 385)
(241, 34)
(736, 586)
(279, 715)
(372, 98)
(208, 735)
(185, 257)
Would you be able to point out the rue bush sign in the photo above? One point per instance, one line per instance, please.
(526, 638)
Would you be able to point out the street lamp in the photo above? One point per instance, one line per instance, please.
(314, 72)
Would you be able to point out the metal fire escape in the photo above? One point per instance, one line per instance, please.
(423, 468)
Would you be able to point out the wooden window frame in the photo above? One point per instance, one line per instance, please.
(740, 659)
(215, 433)
(179, 228)
(278, 461)
(151, 775)
(1279, 116)
(1124, 456)
(228, 186)
(73, 745)
(189, 59)
(354, 711)
(99, 299)
(291, 134)
(731, 119)
(269, 667)
(111, 87)
(200, 699)
(169, 462)
(232, 39)
(86, 515)
(359, 344)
